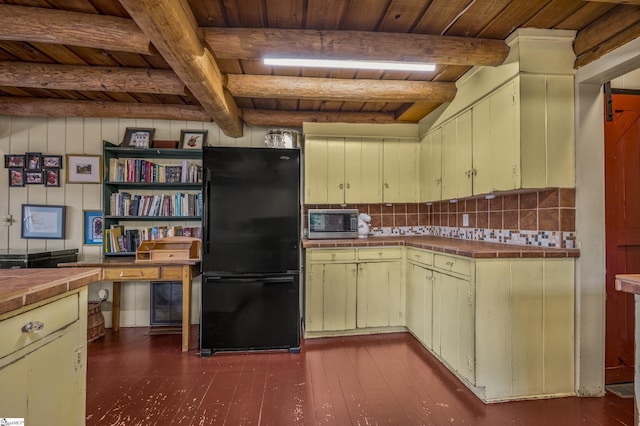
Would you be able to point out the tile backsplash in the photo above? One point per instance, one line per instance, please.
(543, 218)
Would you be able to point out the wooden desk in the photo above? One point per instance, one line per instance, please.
(121, 270)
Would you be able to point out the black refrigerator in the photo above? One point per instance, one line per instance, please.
(250, 250)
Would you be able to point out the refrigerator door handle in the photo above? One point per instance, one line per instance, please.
(205, 212)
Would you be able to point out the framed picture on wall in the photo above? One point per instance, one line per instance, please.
(16, 161)
(34, 161)
(16, 177)
(51, 177)
(84, 168)
(33, 178)
(52, 161)
(93, 227)
(43, 222)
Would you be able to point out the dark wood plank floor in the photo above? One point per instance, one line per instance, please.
(137, 379)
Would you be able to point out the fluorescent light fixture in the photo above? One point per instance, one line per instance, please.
(334, 63)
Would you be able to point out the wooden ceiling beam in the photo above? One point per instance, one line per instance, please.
(335, 89)
(256, 43)
(105, 79)
(35, 24)
(71, 108)
(173, 30)
(279, 118)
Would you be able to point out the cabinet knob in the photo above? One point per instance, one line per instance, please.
(386, 185)
(450, 263)
(33, 327)
(341, 186)
(348, 185)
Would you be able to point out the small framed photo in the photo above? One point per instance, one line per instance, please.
(51, 177)
(33, 178)
(16, 177)
(16, 161)
(93, 227)
(43, 222)
(84, 168)
(193, 139)
(34, 161)
(138, 138)
(52, 161)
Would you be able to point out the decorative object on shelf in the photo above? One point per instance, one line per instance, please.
(138, 137)
(43, 222)
(84, 168)
(16, 177)
(34, 161)
(193, 139)
(165, 144)
(364, 221)
(282, 138)
(93, 227)
(170, 248)
(52, 161)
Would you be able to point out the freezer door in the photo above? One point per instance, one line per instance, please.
(252, 203)
(249, 313)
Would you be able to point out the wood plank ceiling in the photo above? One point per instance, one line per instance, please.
(201, 59)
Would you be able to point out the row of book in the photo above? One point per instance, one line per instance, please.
(117, 239)
(178, 204)
(145, 171)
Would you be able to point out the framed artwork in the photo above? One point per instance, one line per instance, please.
(34, 161)
(33, 178)
(43, 222)
(138, 138)
(52, 161)
(51, 177)
(193, 139)
(93, 227)
(84, 168)
(16, 177)
(17, 161)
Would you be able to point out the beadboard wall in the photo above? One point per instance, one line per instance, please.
(60, 136)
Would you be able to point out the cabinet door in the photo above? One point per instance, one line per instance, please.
(324, 171)
(331, 297)
(363, 171)
(400, 171)
(449, 322)
(381, 295)
(434, 191)
(457, 157)
(13, 397)
(419, 303)
(466, 330)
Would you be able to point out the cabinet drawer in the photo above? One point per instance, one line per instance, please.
(131, 273)
(331, 255)
(52, 317)
(452, 264)
(378, 253)
(420, 256)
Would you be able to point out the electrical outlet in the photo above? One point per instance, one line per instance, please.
(465, 219)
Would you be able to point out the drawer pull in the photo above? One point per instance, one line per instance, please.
(123, 275)
(33, 327)
(450, 263)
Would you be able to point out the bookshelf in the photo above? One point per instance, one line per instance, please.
(149, 193)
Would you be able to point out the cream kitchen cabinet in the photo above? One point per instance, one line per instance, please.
(350, 289)
(43, 361)
(419, 297)
(457, 169)
(401, 171)
(431, 166)
(343, 170)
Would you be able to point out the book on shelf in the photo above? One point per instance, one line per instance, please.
(136, 170)
(179, 204)
(118, 239)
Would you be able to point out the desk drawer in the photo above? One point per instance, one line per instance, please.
(131, 273)
(453, 264)
(52, 316)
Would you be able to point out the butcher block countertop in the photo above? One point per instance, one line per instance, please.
(22, 287)
(468, 248)
(629, 283)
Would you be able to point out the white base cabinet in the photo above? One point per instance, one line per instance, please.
(46, 370)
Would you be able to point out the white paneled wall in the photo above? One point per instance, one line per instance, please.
(60, 136)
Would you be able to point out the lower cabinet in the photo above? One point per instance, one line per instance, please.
(504, 326)
(46, 369)
(347, 289)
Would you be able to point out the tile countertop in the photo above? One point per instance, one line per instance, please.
(22, 287)
(468, 248)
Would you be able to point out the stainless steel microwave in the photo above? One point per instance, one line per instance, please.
(332, 223)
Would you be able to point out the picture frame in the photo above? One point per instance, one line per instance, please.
(51, 177)
(33, 177)
(82, 168)
(193, 139)
(33, 161)
(16, 177)
(52, 161)
(43, 222)
(93, 226)
(138, 137)
(14, 161)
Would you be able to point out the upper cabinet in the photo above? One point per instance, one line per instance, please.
(401, 163)
(457, 166)
(431, 166)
